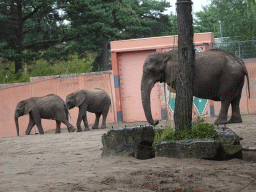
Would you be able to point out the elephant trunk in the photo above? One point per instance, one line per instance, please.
(17, 124)
(146, 87)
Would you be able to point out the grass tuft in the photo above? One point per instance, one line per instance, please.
(200, 130)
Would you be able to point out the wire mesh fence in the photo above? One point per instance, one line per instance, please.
(242, 49)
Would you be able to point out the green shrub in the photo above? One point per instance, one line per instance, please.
(200, 130)
(8, 75)
(41, 67)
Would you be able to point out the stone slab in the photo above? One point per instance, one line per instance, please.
(129, 141)
(194, 148)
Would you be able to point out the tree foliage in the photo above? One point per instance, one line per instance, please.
(98, 21)
(206, 21)
(237, 17)
(42, 67)
(33, 29)
(29, 25)
(142, 18)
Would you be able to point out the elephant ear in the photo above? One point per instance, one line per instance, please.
(80, 97)
(171, 67)
(29, 105)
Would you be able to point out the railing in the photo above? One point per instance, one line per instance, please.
(242, 49)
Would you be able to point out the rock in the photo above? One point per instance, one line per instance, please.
(227, 136)
(226, 145)
(249, 156)
(194, 148)
(129, 141)
(229, 143)
(137, 142)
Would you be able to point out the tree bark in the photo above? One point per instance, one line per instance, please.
(18, 60)
(185, 74)
(105, 54)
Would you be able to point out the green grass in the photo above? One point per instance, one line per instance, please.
(200, 130)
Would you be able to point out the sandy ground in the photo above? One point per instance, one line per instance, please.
(73, 162)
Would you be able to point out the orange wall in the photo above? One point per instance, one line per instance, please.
(130, 70)
(62, 85)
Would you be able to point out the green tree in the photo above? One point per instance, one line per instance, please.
(34, 29)
(99, 21)
(206, 21)
(142, 18)
(92, 21)
(29, 25)
(174, 24)
(237, 17)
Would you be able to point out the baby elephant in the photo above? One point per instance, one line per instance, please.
(47, 107)
(95, 101)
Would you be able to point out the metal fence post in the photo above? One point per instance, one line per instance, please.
(239, 50)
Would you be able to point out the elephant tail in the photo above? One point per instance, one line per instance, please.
(245, 71)
(66, 111)
(248, 84)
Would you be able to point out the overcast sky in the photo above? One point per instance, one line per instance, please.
(197, 5)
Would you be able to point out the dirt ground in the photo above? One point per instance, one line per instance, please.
(73, 162)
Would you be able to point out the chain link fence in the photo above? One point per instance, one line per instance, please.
(242, 49)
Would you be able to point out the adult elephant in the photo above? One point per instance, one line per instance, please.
(47, 107)
(219, 76)
(95, 101)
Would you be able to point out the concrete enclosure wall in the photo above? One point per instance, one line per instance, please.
(62, 85)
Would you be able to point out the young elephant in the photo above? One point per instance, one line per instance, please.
(47, 107)
(95, 101)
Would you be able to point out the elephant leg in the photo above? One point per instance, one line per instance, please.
(81, 116)
(37, 119)
(30, 125)
(57, 127)
(236, 116)
(62, 117)
(222, 119)
(70, 127)
(104, 114)
(78, 123)
(86, 126)
(97, 119)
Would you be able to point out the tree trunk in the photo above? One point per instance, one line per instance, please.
(105, 54)
(18, 65)
(185, 75)
(19, 36)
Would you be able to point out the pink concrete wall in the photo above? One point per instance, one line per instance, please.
(11, 94)
(154, 43)
(130, 68)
